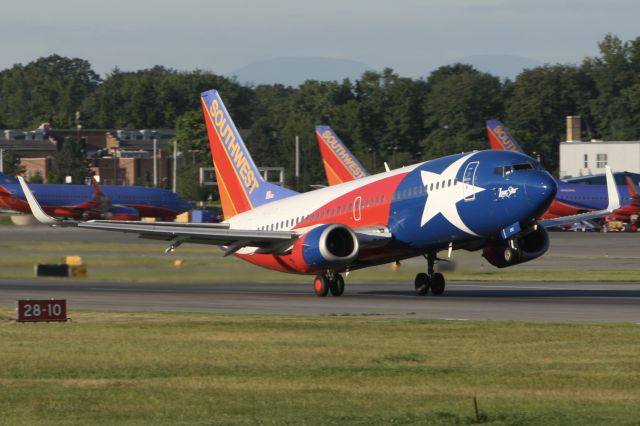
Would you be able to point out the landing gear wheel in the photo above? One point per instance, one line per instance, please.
(321, 285)
(337, 285)
(509, 255)
(422, 284)
(437, 284)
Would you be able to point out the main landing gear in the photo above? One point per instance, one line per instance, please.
(328, 282)
(433, 281)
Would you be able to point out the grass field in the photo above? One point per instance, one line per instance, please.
(139, 263)
(202, 369)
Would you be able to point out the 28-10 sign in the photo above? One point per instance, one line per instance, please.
(42, 310)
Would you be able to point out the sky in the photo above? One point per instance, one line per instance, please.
(411, 36)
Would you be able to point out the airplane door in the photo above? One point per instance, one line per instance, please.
(469, 178)
(357, 212)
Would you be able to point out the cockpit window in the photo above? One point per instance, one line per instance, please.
(507, 170)
(523, 166)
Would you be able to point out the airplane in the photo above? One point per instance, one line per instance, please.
(93, 201)
(340, 165)
(450, 203)
(571, 198)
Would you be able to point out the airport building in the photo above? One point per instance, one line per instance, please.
(117, 157)
(584, 158)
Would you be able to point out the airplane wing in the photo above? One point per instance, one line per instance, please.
(614, 204)
(207, 233)
(276, 242)
(178, 233)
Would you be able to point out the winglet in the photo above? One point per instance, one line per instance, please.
(35, 206)
(612, 190)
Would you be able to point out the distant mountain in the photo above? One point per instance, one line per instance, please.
(504, 66)
(295, 70)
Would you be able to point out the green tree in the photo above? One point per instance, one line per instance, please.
(50, 89)
(389, 120)
(156, 97)
(616, 74)
(69, 161)
(11, 164)
(36, 177)
(193, 147)
(540, 99)
(458, 101)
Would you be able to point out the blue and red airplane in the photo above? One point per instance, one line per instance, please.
(463, 201)
(571, 198)
(94, 202)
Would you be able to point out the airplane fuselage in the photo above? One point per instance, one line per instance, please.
(454, 200)
(67, 200)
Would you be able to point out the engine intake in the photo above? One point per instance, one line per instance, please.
(528, 246)
(328, 246)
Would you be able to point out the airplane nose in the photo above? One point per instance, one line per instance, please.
(541, 190)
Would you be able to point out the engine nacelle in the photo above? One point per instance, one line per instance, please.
(114, 213)
(528, 246)
(124, 213)
(327, 247)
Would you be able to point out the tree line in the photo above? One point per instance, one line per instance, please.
(382, 116)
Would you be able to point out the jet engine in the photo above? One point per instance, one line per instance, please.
(114, 213)
(327, 247)
(124, 213)
(520, 248)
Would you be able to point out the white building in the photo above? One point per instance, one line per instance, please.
(580, 158)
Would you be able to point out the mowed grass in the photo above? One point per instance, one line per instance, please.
(202, 369)
(140, 263)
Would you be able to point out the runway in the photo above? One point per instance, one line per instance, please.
(530, 301)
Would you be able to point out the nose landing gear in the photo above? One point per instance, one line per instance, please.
(328, 282)
(431, 281)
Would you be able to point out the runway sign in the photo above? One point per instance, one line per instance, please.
(41, 310)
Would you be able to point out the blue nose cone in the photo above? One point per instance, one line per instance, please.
(541, 189)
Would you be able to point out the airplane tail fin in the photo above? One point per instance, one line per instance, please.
(340, 165)
(633, 192)
(240, 184)
(500, 138)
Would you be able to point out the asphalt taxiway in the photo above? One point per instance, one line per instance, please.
(530, 301)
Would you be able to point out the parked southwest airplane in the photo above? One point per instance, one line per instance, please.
(462, 201)
(93, 201)
(571, 198)
(340, 165)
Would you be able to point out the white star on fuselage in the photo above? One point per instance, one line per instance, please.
(444, 199)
